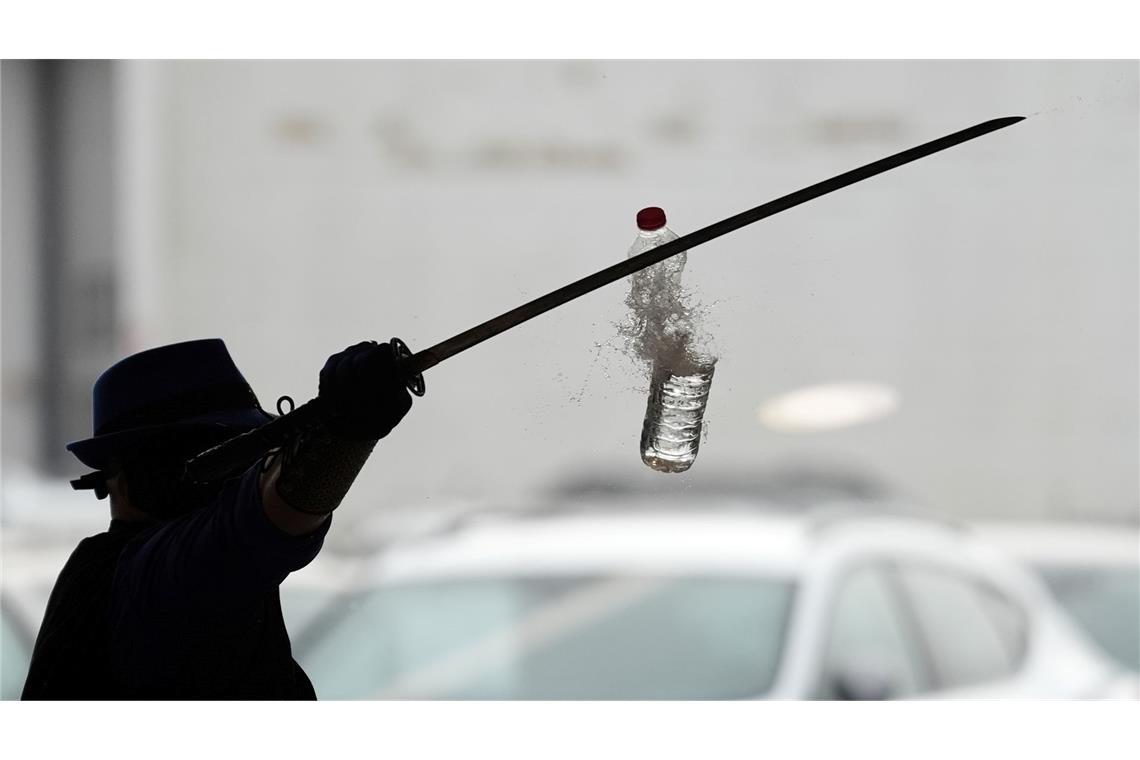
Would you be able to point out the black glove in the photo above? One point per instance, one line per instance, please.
(365, 392)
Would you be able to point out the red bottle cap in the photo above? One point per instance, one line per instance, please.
(650, 219)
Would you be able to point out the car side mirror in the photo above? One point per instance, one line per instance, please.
(865, 681)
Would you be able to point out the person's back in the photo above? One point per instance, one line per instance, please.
(71, 659)
(179, 598)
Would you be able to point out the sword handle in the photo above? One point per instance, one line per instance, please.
(235, 455)
(238, 453)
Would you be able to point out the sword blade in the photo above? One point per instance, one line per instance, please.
(432, 356)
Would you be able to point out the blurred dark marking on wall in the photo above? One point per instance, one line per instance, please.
(853, 129)
(679, 128)
(515, 154)
(400, 143)
(300, 129)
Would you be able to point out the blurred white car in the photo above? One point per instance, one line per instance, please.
(725, 602)
(720, 603)
(1092, 569)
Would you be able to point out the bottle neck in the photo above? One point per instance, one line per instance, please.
(651, 233)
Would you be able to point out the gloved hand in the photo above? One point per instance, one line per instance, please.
(365, 391)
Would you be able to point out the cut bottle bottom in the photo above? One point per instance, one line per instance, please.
(671, 433)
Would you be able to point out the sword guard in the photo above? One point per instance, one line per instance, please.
(414, 382)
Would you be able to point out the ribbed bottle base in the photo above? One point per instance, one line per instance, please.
(671, 434)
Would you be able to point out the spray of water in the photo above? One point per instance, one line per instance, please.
(663, 326)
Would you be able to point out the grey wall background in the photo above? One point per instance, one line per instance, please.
(295, 208)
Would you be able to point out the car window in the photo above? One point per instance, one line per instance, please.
(1007, 618)
(1105, 601)
(554, 638)
(15, 654)
(868, 646)
(970, 638)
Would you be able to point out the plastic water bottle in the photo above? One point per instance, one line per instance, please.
(680, 381)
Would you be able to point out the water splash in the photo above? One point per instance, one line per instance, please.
(664, 324)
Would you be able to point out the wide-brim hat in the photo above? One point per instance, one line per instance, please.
(191, 387)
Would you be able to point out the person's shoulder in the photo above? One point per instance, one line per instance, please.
(109, 541)
(95, 543)
(92, 558)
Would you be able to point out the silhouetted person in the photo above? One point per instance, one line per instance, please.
(179, 598)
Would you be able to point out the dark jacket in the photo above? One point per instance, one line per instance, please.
(183, 609)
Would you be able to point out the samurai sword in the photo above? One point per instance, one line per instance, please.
(242, 450)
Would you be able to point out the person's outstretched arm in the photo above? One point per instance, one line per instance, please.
(308, 480)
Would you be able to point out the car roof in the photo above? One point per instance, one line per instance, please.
(1065, 542)
(637, 537)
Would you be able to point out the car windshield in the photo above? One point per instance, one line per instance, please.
(583, 637)
(1105, 601)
